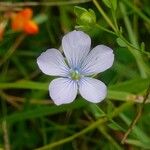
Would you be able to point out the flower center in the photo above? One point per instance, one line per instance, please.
(75, 75)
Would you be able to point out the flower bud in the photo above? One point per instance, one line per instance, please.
(85, 18)
(88, 17)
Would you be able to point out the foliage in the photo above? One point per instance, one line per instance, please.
(29, 119)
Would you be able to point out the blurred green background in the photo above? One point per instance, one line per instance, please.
(29, 119)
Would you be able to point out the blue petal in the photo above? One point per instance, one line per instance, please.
(76, 46)
(63, 90)
(98, 60)
(52, 63)
(92, 89)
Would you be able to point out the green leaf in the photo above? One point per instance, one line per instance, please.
(136, 85)
(113, 125)
(143, 145)
(121, 91)
(97, 111)
(44, 111)
(140, 134)
(111, 4)
(110, 106)
(114, 4)
(119, 95)
(25, 85)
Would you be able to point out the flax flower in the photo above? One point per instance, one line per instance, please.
(74, 73)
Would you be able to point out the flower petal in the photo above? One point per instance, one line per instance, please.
(63, 90)
(98, 60)
(76, 46)
(51, 62)
(92, 89)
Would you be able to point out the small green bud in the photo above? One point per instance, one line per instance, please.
(85, 18)
(79, 10)
(88, 17)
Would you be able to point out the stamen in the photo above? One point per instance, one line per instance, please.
(75, 75)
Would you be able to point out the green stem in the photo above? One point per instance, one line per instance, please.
(139, 60)
(137, 10)
(131, 46)
(137, 117)
(105, 29)
(107, 136)
(143, 68)
(104, 15)
(24, 85)
(112, 94)
(114, 18)
(128, 25)
(92, 126)
(12, 48)
(117, 32)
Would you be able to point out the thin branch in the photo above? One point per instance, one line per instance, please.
(104, 15)
(137, 117)
(12, 49)
(5, 135)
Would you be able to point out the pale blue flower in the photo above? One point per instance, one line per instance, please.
(74, 72)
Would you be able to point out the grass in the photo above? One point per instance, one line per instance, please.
(28, 118)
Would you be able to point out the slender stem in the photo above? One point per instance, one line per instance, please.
(114, 17)
(104, 15)
(4, 124)
(137, 117)
(107, 136)
(112, 94)
(135, 23)
(87, 129)
(139, 60)
(128, 25)
(13, 48)
(137, 10)
(24, 85)
(144, 69)
(70, 138)
(5, 133)
(131, 46)
(105, 29)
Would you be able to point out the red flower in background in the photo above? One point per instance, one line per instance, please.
(22, 21)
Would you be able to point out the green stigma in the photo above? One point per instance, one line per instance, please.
(75, 75)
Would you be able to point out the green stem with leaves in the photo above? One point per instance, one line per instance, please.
(91, 127)
(137, 55)
(133, 48)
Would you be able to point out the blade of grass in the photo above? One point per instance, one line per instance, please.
(137, 10)
(43, 111)
(92, 126)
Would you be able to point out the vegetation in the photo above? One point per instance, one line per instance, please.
(28, 117)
